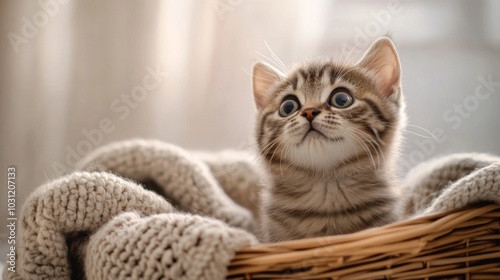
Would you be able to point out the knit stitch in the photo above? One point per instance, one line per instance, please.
(98, 225)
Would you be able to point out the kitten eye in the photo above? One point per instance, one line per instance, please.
(340, 98)
(289, 106)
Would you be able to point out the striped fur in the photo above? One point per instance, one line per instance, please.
(337, 179)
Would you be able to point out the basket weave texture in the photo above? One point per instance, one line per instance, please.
(440, 246)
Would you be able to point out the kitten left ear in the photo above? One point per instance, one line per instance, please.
(264, 76)
(383, 61)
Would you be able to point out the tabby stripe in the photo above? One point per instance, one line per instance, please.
(282, 87)
(286, 192)
(271, 151)
(300, 213)
(366, 127)
(365, 185)
(286, 224)
(292, 232)
(294, 80)
(279, 163)
(304, 75)
(364, 222)
(295, 167)
(271, 154)
(262, 127)
(359, 222)
(372, 131)
(322, 71)
(359, 111)
(312, 74)
(381, 133)
(272, 139)
(369, 129)
(396, 102)
(354, 159)
(377, 218)
(273, 157)
(380, 217)
(376, 110)
(334, 74)
(283, 221)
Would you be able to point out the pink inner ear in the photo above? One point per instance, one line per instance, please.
(260, 90)
(264, 76)
(261, 101)
(383, 60)
(389, 78)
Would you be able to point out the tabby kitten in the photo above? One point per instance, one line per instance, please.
(328, 135)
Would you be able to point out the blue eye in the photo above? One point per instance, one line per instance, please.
(341, 99)
(288, 107)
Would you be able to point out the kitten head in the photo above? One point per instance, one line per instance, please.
(325, 116)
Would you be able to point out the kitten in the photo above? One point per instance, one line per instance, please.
(328, 136)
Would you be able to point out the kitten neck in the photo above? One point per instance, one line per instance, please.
(288, 174)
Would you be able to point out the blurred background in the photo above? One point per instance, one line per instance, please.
(76, 75)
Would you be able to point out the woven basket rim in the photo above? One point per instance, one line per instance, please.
(416, 220)
(424, 246)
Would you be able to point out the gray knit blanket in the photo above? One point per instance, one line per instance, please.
(150, 210)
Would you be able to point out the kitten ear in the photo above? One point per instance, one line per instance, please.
(383, 61)
(264, 76)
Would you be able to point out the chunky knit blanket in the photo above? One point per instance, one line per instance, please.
(150, 210)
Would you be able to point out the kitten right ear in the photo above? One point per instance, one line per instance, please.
(383, 60)
(263, 77)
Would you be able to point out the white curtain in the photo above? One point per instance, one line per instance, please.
(79, 74)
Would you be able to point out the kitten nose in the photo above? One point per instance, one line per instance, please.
(310, 113)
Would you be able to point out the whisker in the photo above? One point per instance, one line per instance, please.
(351, 51)
(359, 136)
(272, 61)
(428, 132)
(257, 77)
(269, 146)
(272, 156)
(363, 144)
(415, 133)
(377, 148)
(420, 135)
(278, 60)
(284, 150)
(379, 140)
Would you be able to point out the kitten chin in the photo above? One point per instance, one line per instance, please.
(328, 135)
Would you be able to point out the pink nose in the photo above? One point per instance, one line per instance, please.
(310, 113)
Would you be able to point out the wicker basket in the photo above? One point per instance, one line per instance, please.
(462, 244)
